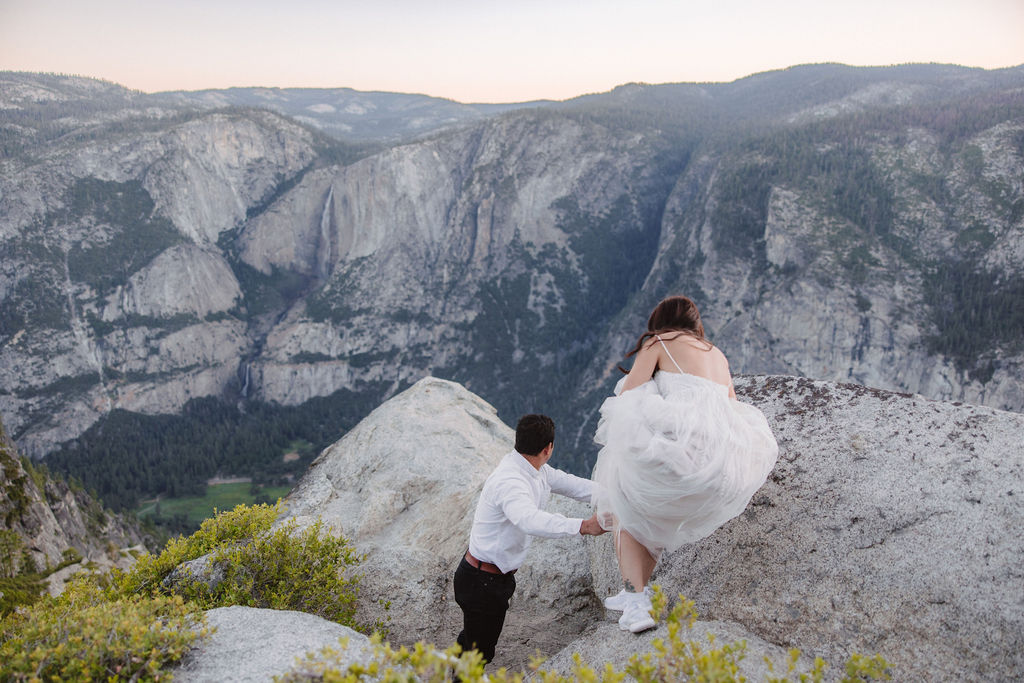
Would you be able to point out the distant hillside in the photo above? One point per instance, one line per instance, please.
(854, 224)
(368, 117)
(37, 104)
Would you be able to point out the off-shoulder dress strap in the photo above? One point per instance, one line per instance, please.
(669, 354)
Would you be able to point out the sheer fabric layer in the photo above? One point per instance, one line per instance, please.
(679, 459)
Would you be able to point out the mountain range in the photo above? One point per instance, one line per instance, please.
(283, 247)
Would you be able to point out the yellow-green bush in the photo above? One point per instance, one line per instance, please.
(309, 570)
(128, 624)
(82, 636)
(20, 583)
(674, 658)
(17, 586)
(221, 530)
(11, 552)
(24, 589)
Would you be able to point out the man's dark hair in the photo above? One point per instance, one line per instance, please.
(534, 433)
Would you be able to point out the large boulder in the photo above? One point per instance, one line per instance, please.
(250, 644)
(891, 524)
(402, 487)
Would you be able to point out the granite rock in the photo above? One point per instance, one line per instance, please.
(891, 524)
(250, 644)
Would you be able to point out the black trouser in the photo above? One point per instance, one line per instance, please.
(483, 598)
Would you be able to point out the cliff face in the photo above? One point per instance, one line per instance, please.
(864, 261)
(845, 224)
(115, 291)
(452, 254)
(792, 281)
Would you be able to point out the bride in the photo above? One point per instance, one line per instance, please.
(680, 457)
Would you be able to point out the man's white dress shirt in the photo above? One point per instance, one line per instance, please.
(511, 510)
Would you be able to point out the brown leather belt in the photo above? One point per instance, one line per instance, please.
(485, 566)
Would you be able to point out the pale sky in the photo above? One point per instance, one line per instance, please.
(490, 51)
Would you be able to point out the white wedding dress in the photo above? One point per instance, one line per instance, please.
(679, 459)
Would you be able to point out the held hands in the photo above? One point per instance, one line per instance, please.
(590, 527)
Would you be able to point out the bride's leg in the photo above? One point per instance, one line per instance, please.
(635, 563)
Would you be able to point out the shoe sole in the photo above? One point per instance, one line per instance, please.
(641, 626)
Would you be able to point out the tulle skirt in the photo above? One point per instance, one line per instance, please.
(679, 459)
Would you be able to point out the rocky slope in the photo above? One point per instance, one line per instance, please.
(848, 224)
(52, 517)
(889, 526)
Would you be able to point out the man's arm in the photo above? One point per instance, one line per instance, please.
(518, 505)
(569, 485)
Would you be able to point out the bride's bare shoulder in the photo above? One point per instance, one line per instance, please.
(688, 342)
(720, 358)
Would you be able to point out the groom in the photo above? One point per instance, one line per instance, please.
(511, 510)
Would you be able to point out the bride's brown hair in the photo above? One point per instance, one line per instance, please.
(674, 314)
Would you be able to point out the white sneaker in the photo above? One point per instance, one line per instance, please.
(637, 618)
(620, 600)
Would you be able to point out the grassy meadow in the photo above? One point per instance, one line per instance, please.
(192, 510)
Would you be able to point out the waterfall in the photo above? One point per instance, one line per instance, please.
(324, 252)
(245, 381)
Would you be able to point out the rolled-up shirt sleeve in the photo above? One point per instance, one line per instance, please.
(520, 509)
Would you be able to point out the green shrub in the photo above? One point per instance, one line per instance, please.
(674, 658)
(223, 529)
(39, 473)
(15, 591)
(308, 570)
(130, 626)
(21, 582)
(421, 663)
(82, 635)
(11, 551)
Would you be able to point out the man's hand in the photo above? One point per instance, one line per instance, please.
(590, 527)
